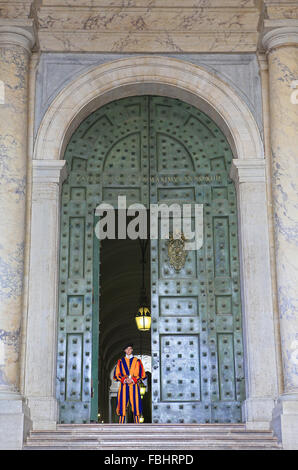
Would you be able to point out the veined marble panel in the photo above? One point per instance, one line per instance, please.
(158, 42)
(287, 11)
(115, 19)
(15, 9)
(148, 26)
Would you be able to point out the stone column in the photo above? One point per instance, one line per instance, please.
(41, 340)
(15, 47)
(282, 50)
(256, 294)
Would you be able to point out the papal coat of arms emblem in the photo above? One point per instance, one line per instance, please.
(176, 251)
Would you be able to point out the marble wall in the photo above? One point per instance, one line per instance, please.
(283, 65)
(15, 46)
(13, 138)
(282, 49)
(148, 25)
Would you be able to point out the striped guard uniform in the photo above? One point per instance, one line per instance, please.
(129, 367)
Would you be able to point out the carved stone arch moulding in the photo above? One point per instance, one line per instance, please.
(148, 75)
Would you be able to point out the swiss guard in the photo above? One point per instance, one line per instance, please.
(129, 371)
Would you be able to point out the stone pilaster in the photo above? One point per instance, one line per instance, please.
(41, 340)
(282, 50)
(258, 322)
(15, 46)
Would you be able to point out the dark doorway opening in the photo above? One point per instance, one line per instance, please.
(119, 285)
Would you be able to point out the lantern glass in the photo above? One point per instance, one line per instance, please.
(142, 389)
(143, 319)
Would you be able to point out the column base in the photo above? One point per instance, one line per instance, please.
(44, 413)
(257, 413)
(15, 422)
(285, 421)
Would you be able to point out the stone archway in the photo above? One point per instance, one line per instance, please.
(148, 75)
(192, 84)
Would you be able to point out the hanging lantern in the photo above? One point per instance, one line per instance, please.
(143, 316)
(143, 319)
(142, 389)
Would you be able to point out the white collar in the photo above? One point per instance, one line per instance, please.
(129, 357)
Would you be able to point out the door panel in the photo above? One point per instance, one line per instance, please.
(106, 156)
(196, 313)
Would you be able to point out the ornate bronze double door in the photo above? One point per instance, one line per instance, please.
(155, 150)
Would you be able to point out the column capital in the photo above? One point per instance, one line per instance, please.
(248, 171)
(18, 34)
(49, 171)
(284, 36)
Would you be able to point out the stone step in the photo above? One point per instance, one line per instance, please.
(185, 447)
(151, 448)
(115, 445)
(151, 437)
(160, 442)
(147, 435)
(152, 426)
(152, 429)
(185, 444)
